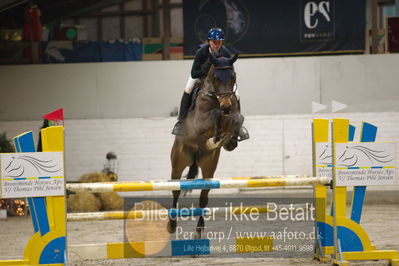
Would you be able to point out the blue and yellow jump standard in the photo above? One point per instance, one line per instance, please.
(339, 236)
(48, 244)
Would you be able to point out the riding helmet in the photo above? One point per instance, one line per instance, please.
(216, 34)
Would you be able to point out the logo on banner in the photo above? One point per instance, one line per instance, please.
(237, 19)
(20, 165)
(31, 174)
(366, 164)
(317, 20)
(324, 159)
(358, 164)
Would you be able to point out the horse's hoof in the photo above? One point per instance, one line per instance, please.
(171, 226)
(231, 145)
(198, 234)
(178, 129)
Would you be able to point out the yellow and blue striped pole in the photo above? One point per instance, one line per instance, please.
(195, 184)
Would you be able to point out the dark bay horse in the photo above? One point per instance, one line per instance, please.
(208, 127)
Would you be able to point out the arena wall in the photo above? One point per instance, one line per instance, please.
(366, 83)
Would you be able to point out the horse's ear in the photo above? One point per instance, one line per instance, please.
(213, 59)
(233, 59)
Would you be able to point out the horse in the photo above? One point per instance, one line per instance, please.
(208, 127)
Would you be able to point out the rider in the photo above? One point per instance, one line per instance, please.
(200, 69)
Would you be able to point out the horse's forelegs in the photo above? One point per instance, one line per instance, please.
(238, 121)
(218, 123)
(203, 201)
(218, 135)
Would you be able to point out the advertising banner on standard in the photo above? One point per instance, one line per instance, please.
(32, 174)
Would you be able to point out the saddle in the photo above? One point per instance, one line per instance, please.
(194, 94)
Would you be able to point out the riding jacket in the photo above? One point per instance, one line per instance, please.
(202, 62)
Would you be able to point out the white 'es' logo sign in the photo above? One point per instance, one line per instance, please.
(317, 20)
(311, 9)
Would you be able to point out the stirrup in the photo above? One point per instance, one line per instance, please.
(242, 134)
(178, 129)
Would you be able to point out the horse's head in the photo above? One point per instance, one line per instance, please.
(221, 80)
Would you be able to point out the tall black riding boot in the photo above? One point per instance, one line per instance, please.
(184, 105)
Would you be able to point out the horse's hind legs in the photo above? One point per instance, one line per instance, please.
(200, 227)
(178, 165)
(172, 220)
(202, 204)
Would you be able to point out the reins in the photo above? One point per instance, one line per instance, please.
(222, 67)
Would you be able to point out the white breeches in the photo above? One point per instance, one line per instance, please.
(190, 86)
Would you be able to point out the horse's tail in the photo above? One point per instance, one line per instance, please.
(193, 171)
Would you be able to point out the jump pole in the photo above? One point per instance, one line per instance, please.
(195, 184)
(142, 214)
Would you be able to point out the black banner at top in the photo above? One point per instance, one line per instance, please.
(278, 27)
